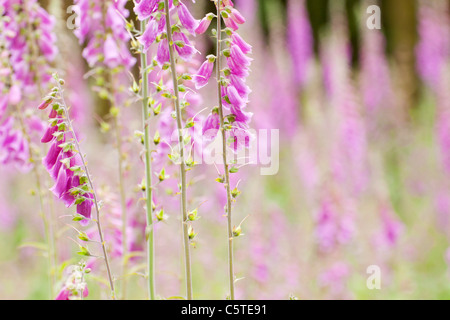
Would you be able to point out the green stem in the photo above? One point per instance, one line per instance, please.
(48, 227)
(182, 158)
(123, 208)
(225, 160)
(123, 205)
(148, 174)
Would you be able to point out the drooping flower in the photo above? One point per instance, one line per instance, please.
(244, 46)
(144, 8)
(163, 55)
(183, 46)
(201, 78)
(203, 25)
(186, 18)
(151, 33)
(211, 126)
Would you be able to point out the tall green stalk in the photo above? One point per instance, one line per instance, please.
(184, 209)
(224, 152)
(148, 173)
(47, 219)
(123, 206)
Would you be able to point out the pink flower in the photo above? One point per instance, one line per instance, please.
(239, 84)
(231, 24)
(17, 47)
(61, 163)
(239, 135)
(300, 40)
(227, 3)
(234, 97)
(239, 57)
(237, 16)
(201, 78)
(334, 225)
(85, 208)
(111, 52)
(145, 8)
(105, 32)
(391, 229)
(52, 155)
(433, 48)
(150, 34)
(186, 50)
(75, 285)
(14, 95)
(244, 46)
(203, 25)
(186, 19)
(211, 126)
(163, 55)
(335, 278)
(13, 146)
(60, 186)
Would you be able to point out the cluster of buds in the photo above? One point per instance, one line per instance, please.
(63, 161)
(75, 287)
(192, 216)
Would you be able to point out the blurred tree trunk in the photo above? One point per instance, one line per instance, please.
(401, 20)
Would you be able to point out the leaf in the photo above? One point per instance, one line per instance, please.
(132, 255)
(78, 218)
(84, 252)
(176, 298)
(35, 245)
(135, 270)
(83, 237)
(234, 170)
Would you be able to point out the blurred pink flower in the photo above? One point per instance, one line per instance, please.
(201, 78)
(300, 40)
(335, 278)
(391, 229)
(433, 49)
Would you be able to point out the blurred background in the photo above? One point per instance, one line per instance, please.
(364, 120)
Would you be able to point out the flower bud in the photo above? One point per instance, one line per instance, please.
(191, 233)
(193, 215)
(237, 231)
(46, 103)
